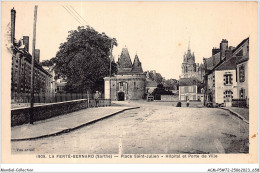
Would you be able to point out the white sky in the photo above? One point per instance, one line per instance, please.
(158, 31)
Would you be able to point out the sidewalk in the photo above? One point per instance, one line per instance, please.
(64, 123)
(242, 113)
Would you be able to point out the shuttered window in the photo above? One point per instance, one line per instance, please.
(241, 73)
(228, 79)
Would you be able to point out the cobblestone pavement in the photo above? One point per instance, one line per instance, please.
(155, 128)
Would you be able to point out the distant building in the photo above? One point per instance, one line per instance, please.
(190, 68)
(150, 86)
(154, 76)
(191, 78)
(60, 85)
(188, 88)
(129, 82)
(153, 79)
(57, 85)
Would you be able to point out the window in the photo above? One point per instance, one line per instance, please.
(190, 89)
(242, 93)
(228, 79)
(182, 89)
(228, 96)
(241, 73)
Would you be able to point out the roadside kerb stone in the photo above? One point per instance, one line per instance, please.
(236, 114)
(67, 130)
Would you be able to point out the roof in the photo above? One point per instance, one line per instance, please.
(213, 61)
(240, 44)
(124, 61)
(137, 66)
(28, 57)
(241, 59)
(188, 81)
(229, 64)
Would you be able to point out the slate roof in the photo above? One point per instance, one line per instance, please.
(229, 64)
(241, 59)
(209, 61)
(240, 44)
(188, 81)
(124, 61)
(137, 66)
(28, 57)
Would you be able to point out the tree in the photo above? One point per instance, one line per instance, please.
(84, 60)
(170, 84)
(160, 90)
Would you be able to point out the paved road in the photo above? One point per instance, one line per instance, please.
(155, 128)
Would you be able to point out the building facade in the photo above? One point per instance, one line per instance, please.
(225, 82)
(21, 67)
(226, 73)
(129, 82)
(242, 55)
(188, 89)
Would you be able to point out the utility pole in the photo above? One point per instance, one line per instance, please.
(110, 68)
(32, 67)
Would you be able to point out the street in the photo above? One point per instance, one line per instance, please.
(154, 128)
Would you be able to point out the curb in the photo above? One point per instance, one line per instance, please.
(236, 114)
(74, 128)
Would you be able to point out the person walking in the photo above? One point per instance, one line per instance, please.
(188, 102)
(96, 98)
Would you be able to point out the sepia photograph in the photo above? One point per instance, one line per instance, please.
(129, 82)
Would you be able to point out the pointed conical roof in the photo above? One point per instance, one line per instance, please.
(137, 66)
(124, 61)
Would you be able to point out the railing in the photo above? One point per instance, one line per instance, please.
(240, 103)
(23, 99)
(50, 98)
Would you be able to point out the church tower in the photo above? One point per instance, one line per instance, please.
(188, 65)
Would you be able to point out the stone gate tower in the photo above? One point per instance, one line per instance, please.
(129, 83)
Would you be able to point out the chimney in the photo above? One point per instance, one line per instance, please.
(228, 54)
(26, 43)
(215, 51)
(223, 48)
(37, 55)
(13, 15)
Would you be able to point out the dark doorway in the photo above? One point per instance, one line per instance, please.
(121, 96)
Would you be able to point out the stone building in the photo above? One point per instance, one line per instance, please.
(129, 82)
(226, 74)
(242, 58)
(21, 67)
(188, 88)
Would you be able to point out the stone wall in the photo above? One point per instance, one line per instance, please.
(22, 115)
(169, 98)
